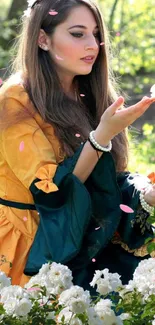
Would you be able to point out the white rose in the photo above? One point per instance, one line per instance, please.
(4, 280)
(76, 299)
(13, 292)
(10, 305)
(106, 282)
(68, 317)
(23, 308)
(106, 314)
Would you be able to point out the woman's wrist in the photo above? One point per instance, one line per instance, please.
(101, 138)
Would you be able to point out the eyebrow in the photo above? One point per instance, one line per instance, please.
(81, 26)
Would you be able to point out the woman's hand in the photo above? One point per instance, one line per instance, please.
(115, 119)
(149, 195)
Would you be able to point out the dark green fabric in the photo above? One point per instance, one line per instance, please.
(69, 217)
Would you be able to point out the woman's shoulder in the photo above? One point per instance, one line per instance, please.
(13, 91)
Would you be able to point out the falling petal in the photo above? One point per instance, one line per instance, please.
(59, 58)
(21, 146)
(125, 208)
(152, 90)
(102, 43)
(97, 228)
(93, 260)
(25, 218)
(118, 34)
(34, 289)
(53, 12)
(1, 81)
(41, 305)
(77, 135)
(82, 95)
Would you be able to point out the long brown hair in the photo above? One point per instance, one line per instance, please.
(41, 81)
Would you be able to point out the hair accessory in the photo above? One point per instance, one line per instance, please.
(144, 204)
(96, 145)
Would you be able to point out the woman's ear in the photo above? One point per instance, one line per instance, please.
(43, 40)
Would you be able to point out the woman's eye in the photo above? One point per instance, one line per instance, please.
(77, 34)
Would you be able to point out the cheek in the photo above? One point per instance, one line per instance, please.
(66, 49)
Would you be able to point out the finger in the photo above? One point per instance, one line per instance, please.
(143, 104)
(116, 105)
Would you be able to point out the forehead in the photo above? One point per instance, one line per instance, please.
(80, 15)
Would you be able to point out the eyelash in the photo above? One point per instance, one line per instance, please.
(79, 35)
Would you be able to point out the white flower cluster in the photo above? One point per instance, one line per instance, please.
(16, 301)
(72, 304)
(106, 314)
(106, 282)
(55, 277)
(144, 278)
(76, 299)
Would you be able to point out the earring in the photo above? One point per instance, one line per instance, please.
(43, 47)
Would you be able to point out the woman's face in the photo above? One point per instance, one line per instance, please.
(73, 40)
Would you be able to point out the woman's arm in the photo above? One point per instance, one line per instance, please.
(113, 121)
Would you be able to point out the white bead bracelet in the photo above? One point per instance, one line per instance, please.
(97, 145)
(145, 205)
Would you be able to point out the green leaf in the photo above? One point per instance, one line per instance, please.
(151, 248)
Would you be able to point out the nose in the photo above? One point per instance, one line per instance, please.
(92, 44)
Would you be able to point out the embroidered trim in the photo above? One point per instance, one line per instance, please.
(142, 251)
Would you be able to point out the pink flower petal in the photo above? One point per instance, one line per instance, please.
(126, 209)
(118, 34)
(34, 289)
(102, 43)
(59, 58)
(93, 260)
(21, 146)
(77, 135)
(53, 12)
(41, 305)
(82, 95)
(97, 228)
(1, 81)
(25, 218)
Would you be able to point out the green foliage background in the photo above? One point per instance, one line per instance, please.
(131, 27)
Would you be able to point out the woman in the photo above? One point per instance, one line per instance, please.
(60, 191)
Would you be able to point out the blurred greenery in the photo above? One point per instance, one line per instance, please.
(142, 149)
(131, 27)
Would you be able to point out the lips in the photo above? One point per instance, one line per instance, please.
(88, 58)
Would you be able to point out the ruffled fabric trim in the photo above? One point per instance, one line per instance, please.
(46, 174)
(141, 251)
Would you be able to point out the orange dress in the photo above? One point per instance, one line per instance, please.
(25, 148)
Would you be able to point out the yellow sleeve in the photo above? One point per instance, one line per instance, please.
(28, 152)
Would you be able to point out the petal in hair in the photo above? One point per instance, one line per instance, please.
(53, 12)
(77, 135)
(82, 95)
(125, 208)
(102, 43)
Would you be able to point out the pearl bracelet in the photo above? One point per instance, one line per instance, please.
(97, 145)
(145, 205)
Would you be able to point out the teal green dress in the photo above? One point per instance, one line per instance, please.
(78, 222)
